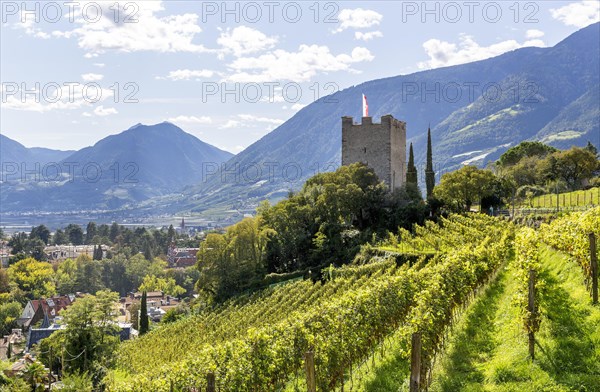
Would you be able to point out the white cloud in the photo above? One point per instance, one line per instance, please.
(146, 32)
(231, 124)
(367, 36)
(191, 119)
(580, 14)
(187, 74)
(92, 77)
(297, 66)
(530, 34)
(358, 19)
(443, 53)
(30, 26)
(101, 111)
(253, 118)
(244, 40)
(252, 121)
(99, 65)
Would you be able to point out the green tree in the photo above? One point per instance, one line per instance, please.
(17, 243)
(9, 313)
(461, 188)
(138, 267)
(166, 285)
(90, 232)
(60, 238)
(34, 277)
(115, 230)
(572, 166)
(429, 173)
(35, 248)
(171, 235)
(143, 318)
(525, 149)
(40, 232)
(411, 170)
(88, 275)
(90, 336)
(65, 277)
(134, 315)
(75, 234)
(34, 374)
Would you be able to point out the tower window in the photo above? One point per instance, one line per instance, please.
(365, 150)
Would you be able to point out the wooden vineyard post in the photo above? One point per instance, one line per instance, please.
(415, 362)
(531, 309)
(210, 383)
(594, 268)
(309, 366)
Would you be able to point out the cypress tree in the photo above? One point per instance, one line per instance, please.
(143, 319)
(411, 170)
(429, 173)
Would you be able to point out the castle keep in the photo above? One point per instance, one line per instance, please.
(381, 146)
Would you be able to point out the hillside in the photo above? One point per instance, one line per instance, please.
(12, 151)
(548, 94)
(257, 342)
(461, 284)
(132, 166)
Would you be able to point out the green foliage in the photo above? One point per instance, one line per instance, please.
(536, 164)
(60, 238)
(9, 313)
(77, 383)
(143, 318)
(134, 313)
(465, 186)
(327, 221)
(175, 314)
(75, 234)
(91, 334)
(572, 166)
(515, 154)
(166, 285)
(526, 261)
(411, 170)
(33, 277)
(229, 263)
(570, 234)
(41, 232)
(34, 374)
(429, 173)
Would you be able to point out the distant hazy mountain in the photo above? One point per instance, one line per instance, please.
(15, 152)
(476, 112)
(139, 163)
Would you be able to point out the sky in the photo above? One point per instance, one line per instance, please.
(74, 72)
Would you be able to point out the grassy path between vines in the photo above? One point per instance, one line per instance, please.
(487, 350)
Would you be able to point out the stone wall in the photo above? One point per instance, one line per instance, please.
(381, 146)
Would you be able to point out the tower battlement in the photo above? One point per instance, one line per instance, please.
(381, 146)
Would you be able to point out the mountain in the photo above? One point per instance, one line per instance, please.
(476, 111)
(14, 152)
(132, 166)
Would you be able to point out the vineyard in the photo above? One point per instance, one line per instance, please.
(510, 295)
(535, 328)
(258, 342)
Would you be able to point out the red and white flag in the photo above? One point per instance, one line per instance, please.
(365, 106)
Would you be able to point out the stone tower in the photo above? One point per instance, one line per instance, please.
(381, 146)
